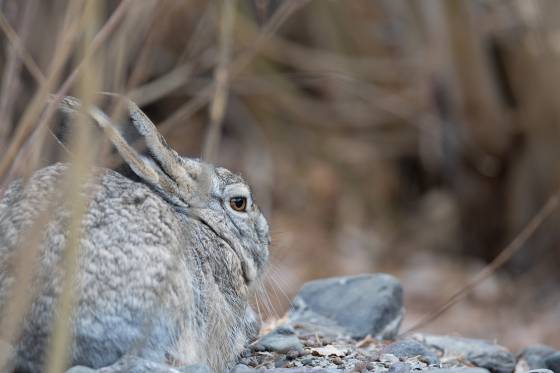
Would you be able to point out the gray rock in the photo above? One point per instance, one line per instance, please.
(241, 368)
(456, 370)
(480, 353)
(539, 371)
(400, 368)
(411, 348)
(307, 361)
(533, 357)
(303, 370)
(134, 364)
(281, 339)
(195, 368)
(388, 359)
(357, 306)
(80, 369)
(553, 362)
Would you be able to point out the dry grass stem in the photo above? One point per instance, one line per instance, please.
(26, 125)
(503, 257)
(79, 173)
(221, 78)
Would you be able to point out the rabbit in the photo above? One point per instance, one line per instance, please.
(166, 260)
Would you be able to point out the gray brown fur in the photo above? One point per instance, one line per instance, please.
(159, 277)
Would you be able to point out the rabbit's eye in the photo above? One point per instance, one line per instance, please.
(238, 204)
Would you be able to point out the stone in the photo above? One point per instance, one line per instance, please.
(194, 368)
(411, 348)
(302, 370)
(337, 360)
(292, 354)
(281, 363)
(241, 368)
(539, 371)
(456, 370)
(400, 368)
(553, 362)
(80, 369)
(533, 357)
(357, 306)
(282, 340)
(135, 364)
(329, 350)
(360, 366)
(388, 358)
(131, 364)
(478, 352)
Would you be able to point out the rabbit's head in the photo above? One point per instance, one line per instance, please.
(214, 196)
(230, 211)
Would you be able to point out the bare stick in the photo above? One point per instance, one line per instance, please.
(549, 207)
(221, 77)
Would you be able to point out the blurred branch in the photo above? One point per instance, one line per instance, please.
(238, 64)
(27, 122)
(155, 90)
(503, 257)
(221, 78)
(19, 48)
(26, 126)
(379, 68)
(11, 75)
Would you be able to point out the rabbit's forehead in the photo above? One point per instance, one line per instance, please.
(226, 177)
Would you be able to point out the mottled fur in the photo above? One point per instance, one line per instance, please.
(160, 280)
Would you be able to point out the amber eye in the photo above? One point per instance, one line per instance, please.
(238, 204)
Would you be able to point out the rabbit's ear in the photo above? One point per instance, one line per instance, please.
(168, 171)
(183, 171)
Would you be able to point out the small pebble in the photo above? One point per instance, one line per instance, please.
(337, 360)
(309, 342)
(281, 363)
(360, 366)
(194, 368)
(249, 361)
(388, 358)
(292, 354)
(240, 368)
(370, 366)
(257, 347)
(281, 340)
(399, 368)
(409, 348)
(307, 361)
(80, 369)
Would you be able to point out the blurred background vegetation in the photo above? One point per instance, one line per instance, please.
(416, 137)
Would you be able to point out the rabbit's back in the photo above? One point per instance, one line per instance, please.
(134, 286)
